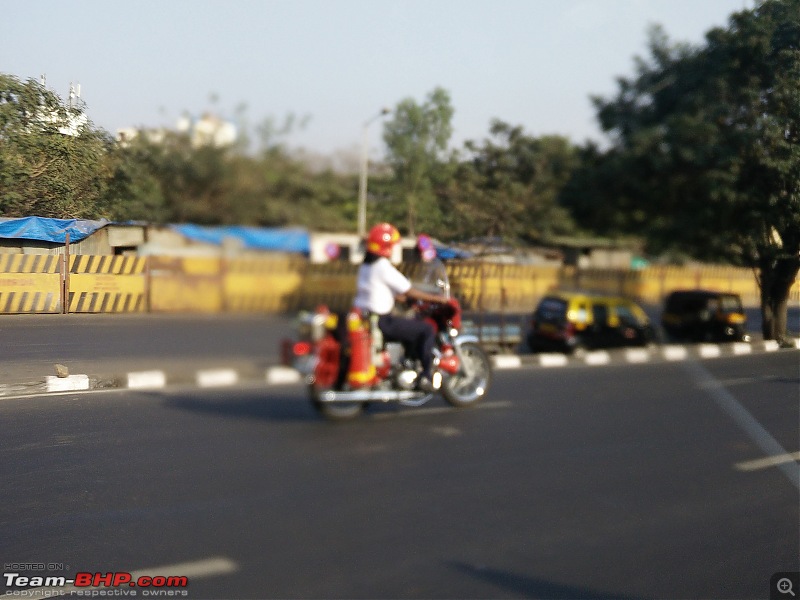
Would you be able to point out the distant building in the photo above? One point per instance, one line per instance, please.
(208, 130)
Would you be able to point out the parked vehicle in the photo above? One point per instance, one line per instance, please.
(575, 322)
(348, 367)
(704, 315)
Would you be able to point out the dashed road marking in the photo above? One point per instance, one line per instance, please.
(767, 462)
(146, 380)
(729, 404)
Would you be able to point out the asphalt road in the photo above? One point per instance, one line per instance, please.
(630, 481)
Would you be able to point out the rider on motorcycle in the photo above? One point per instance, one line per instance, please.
(380, 285)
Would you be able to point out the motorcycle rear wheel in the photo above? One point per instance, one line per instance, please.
(470, 385)
(335, 411)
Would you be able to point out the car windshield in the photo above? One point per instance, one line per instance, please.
(731, 304)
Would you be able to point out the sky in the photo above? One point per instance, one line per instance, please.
(335, 64)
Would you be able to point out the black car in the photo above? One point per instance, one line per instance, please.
(704, 315)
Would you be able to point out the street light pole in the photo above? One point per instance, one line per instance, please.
(362, 182)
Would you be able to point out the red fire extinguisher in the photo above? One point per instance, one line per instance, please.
(361, 372)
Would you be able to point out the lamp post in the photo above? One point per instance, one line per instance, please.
(362, 182)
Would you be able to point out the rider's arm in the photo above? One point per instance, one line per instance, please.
(415, 294)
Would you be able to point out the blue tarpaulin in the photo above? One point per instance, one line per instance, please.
(256, 238)
(450, 253)
(49, 230)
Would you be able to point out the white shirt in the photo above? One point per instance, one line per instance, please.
(378, 284)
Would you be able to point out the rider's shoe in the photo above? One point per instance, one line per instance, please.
(425, 385)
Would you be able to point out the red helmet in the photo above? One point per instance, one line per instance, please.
(382, 238)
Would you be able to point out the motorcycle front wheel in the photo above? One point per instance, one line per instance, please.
(334, 411)
(471, 383)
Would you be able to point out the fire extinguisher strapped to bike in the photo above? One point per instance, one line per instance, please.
(349, 365)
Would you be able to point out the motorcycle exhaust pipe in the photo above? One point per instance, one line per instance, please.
(369, 396)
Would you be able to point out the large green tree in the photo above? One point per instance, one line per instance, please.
(705, 153)
(52, 160)
(417, 140)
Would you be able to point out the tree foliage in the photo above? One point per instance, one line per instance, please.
(52, 163)
(509, 187)
(705, 152)
(417, 140)
(703, 162)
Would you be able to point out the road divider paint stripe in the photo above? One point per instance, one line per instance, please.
(597, 358)
(217, 377)
(742, 348)
(71, 383)
(675, 353)
(507, 361)
(553, 360)
(282, 375)
(143, 380)
(637, 355)
(771, 346)
(767, 462)
(709, 351)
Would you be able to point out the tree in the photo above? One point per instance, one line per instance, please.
(417, 139)
(509, 188)
(705, 148)
(52, 160)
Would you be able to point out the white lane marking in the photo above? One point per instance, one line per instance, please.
(209, 567)
(67, 384)
(637, 355)
(553, 360)
(507, 361)
(675, 353)
(217, 377)
(742, 348)
(142, 380)
(771, 346)
(281, 375)
(744, 419)
(709, 351)
(765, 463)
(600, 357)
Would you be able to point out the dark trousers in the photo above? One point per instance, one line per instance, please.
(418, 338)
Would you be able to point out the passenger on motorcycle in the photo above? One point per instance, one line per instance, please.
(380, 285)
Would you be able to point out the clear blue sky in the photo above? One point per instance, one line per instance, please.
(532, 63)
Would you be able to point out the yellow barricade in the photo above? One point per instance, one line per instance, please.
(268, 284)
(185, 284)
(30, 283)
(107, 284)
(280, 283)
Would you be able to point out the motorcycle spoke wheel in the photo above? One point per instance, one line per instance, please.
(334, 411)
(470, 385)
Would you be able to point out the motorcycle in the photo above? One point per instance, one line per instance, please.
(347, 364)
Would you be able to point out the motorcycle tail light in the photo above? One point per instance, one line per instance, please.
(301, 348)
